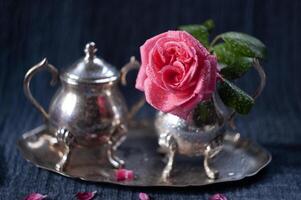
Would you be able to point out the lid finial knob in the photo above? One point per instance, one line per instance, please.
(90, 50)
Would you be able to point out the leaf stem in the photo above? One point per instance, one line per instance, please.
(215, 40)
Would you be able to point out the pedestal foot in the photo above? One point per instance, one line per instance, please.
(66, 138)
(116, 139)
(210, 152)
(168, 144)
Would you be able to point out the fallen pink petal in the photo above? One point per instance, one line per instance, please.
(143, 196)
(124, 175)
(218, 197)
(35, 196)
(85, 195)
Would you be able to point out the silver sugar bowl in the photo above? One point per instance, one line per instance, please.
(88, 108)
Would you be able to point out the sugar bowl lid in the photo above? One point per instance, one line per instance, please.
(90, 69)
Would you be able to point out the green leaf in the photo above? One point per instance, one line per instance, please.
(245, 45)
(233, 65)
(234, 97)
(204, 114)
(200, 32)
(209, 24)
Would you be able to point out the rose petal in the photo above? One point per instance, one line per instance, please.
(192, 41)
(184, 110)
(141, 78)
(169, 101)
(124, 175)
(35, 196)
(207, 82)
(158, 99)
(85, 195)
(143, 196)
(146, 47)
(212, 72)
(172, 75)
(218, 197)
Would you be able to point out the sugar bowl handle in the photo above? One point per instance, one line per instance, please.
(229, 115)
(262, 82)
(26, 84)
(133, 64)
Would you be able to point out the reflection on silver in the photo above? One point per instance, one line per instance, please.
(238, 158)
(88, 107)
(69, 104)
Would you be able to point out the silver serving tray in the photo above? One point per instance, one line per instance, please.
(236, 161)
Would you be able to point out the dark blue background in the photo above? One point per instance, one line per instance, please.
(31, 30)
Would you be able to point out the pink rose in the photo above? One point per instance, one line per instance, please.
(177, 72)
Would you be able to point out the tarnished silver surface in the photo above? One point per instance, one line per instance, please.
(238, 158)
(88, 107)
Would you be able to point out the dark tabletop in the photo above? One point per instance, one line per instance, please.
(31, 30)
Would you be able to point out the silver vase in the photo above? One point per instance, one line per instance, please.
(190, 138)
(196, 137)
